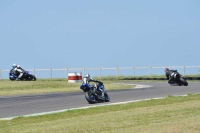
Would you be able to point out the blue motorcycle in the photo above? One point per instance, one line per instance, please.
(26, 76)
(95, 93)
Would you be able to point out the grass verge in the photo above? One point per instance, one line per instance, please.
(169, 115)
(48, 86)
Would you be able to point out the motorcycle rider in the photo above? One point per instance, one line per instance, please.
(172, 75)
(87, 79)
(18, 69)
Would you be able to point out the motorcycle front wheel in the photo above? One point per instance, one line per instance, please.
(107, 98)
(90, 97)
(31, 77)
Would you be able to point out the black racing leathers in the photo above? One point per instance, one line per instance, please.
(87, 80)
(172, 75)
(92, 80)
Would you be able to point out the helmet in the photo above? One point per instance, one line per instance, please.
(14, 65)
(166, 69)
(87, 75)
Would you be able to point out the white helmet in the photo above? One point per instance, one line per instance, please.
(14, 65)
(87, 75)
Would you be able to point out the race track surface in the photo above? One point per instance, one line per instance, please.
(31, 104)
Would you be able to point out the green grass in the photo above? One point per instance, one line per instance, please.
(48, 86)
(169, 115)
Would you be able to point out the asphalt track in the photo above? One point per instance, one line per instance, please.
(32, 104)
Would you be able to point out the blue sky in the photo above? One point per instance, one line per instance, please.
(99, 33)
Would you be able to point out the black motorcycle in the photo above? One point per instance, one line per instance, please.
(26, 76)
(95, 93)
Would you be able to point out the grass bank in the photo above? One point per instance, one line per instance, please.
(169, 115)
(48, 86)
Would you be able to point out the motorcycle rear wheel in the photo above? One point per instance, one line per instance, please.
(184, 82)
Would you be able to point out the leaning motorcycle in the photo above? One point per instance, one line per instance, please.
(26, 76)
(95, 93)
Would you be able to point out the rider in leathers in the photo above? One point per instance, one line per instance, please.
(18, 69)
(172, 75)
